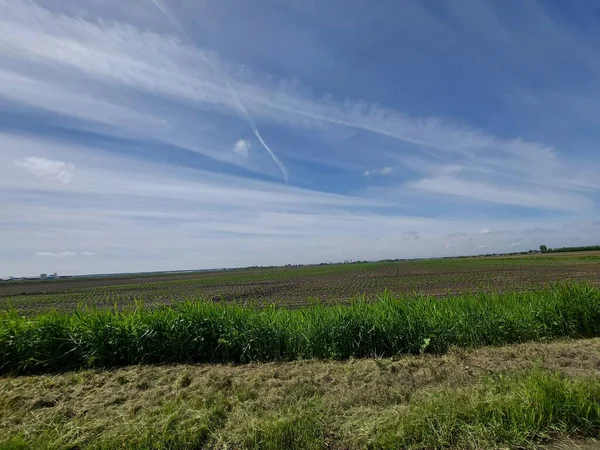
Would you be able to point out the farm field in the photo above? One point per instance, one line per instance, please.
(295, 286)
(467, 353)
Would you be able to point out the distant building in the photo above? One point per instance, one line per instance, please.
(43, 276)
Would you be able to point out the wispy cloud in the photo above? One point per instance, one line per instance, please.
(109, 174)
(47, 168)
(488, 193)
(117, 122)
(56, 255)
(383, 171)
(160, 66)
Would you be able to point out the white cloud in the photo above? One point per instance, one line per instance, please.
(523, 195)
(110, 76)
(207, 230)
(56, 255)
(242, 147)
(106, 173)
(48, 168)
(384, 171)
(88, 253)
(102, 55)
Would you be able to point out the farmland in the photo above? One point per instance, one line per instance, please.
(498, 352)
(295, 286)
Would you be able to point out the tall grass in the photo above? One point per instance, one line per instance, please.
(213, 332)
(514, 411)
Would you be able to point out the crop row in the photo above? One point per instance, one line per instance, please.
(294, 286)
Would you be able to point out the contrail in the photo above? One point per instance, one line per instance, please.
(252, 124)
(167, 13)
(240, 104)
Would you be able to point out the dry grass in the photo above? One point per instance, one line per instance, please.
(569, 444)
(307, 404)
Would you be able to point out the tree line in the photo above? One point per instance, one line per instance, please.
(588, 248)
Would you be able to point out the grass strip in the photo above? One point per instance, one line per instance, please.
(516, 410)
(195, 332)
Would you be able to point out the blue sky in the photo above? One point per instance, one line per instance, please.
(179, 134)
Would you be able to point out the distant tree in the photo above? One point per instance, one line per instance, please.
(543, 249)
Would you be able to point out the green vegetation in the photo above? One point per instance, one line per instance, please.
(588, 248)
(439, 378)
(227, 332)
(510, 410)
(494, 397)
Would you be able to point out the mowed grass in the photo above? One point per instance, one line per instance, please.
(202, 332)
(521, 396)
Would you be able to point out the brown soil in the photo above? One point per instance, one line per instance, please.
(293, 287)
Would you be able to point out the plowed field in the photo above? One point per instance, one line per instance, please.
(294, 286)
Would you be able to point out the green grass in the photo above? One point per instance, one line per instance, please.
(213, 332)
(515, 410)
